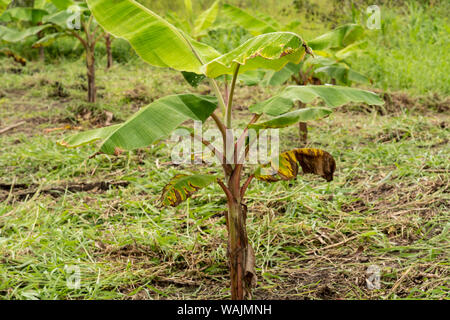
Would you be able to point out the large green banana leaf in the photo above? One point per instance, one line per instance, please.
(154, 39)
(293, 117)
(254, 25)
(333, 96)
(338, 38)
(150, 124)
(182, 187)
(268, 51)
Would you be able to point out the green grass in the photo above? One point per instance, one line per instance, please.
(387, 207)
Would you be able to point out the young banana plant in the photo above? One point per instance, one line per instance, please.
(64, 18)
(161, 44)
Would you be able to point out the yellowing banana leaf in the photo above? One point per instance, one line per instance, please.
(333, 96)
(206, 19)
(293, 117)
(286, 167)
(338, 38)
(182, 187)
(154, 39)
(270, 51)
(254, 25)
(150, 124)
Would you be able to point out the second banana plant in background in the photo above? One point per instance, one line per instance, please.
(161, 44)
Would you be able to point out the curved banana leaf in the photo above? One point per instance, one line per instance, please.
(293, 117)
(268, 51)
(254, 25)
(87, 137)
(154, 39)
(150, 124)
(333, 96)
(10, 35)
(286, 167)
(23, 14)
(182, 187)
(343, 74)
(338, 38)
(206, 19)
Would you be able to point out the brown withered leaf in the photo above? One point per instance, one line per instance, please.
(314, 161)
(182, 187)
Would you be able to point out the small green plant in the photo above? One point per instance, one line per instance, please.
(161, 44)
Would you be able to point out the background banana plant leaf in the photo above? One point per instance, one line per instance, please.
(268, 51)
(182, 187)
(286, 167)
(293, 117)
(32, 15)
(150, 124)
(154, 39)
(10, 35)
(3, 5)
(333, 96)
(205, 20)
(343, 74)
(242, 18)
(339, 38)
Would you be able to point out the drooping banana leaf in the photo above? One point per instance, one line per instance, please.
(333, 96)
(150, 124)
(182, 187)
(154, 39)
(293, 117)
(87, 137)
(271, 51)
(286, 165)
